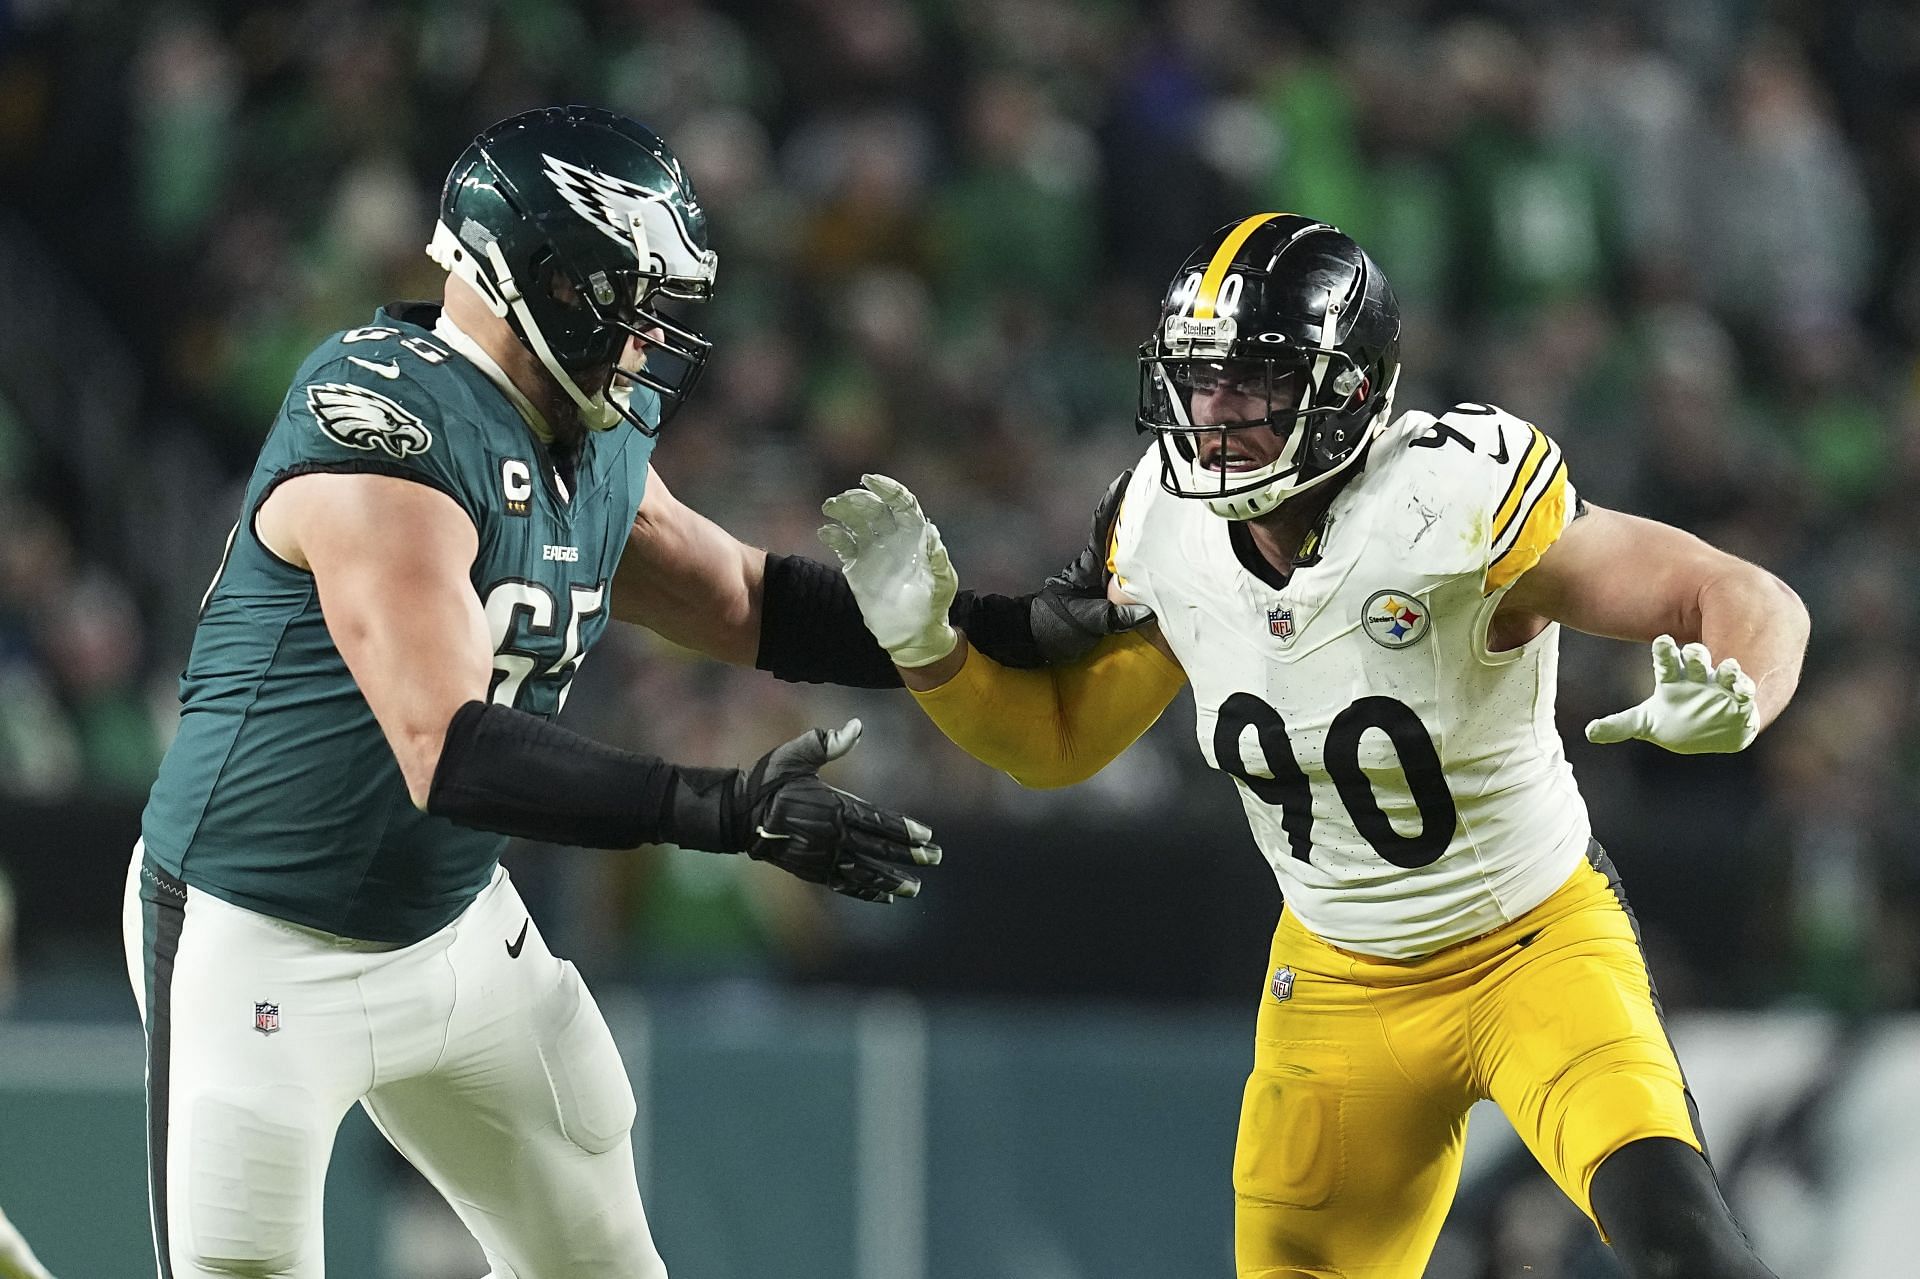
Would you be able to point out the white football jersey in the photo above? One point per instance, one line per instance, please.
(1407, 785)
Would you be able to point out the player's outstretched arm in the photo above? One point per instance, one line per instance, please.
(390, 560)
(1727, 636)
(687, 579)
(1045, 728)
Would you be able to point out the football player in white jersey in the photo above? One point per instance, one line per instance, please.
(1367, 609)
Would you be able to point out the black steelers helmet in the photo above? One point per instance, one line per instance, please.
(1287, 313)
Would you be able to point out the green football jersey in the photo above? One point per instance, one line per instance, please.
(279, 793)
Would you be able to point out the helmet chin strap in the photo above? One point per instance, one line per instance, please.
(504, 297)
(597, 413)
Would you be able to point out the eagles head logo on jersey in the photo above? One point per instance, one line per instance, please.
(362, 418)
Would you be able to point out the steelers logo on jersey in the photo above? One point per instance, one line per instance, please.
(1394, 619)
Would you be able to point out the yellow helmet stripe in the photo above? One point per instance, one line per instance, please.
(1209, 291)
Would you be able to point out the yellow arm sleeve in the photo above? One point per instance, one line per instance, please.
(1061, 725)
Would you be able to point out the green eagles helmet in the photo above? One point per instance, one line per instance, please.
(572, 223)
(1282, 308)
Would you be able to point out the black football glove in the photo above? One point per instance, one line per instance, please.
(823, 834)
(1061, 621)
(1072, 612)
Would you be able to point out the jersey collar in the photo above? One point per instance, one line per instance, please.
(456, 337)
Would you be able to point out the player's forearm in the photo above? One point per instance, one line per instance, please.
(924, 679)
(811, 631)
(1053, 727)
(1749, 614)
(688, 580)
(512, 773)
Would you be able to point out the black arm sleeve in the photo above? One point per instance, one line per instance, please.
(811, 631)
(512, 773)
(810, 628)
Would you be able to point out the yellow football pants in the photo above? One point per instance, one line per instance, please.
(1355, 1115)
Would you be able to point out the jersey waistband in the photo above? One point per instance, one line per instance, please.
(1586, 887)
(152, 871)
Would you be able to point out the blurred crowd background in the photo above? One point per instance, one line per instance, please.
(1681, 238)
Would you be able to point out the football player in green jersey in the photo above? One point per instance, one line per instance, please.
(452, 502)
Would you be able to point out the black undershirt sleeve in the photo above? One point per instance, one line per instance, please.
(512, 773)
(811, 631)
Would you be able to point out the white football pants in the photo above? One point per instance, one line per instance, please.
(479, 1055)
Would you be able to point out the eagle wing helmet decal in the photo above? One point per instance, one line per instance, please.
(362, 418)
(612, 204)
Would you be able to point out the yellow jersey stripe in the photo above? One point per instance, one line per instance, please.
(1540, 528)
(1209, 291)
(1522, 476)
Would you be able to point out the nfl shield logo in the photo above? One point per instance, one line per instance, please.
(266, 1017)
(1280, 622)
(1282, 984)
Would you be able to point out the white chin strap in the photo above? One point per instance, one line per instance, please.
(597, 412)
(1254, 503)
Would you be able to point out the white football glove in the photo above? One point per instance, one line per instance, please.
(1696, 708)
(897, 566)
